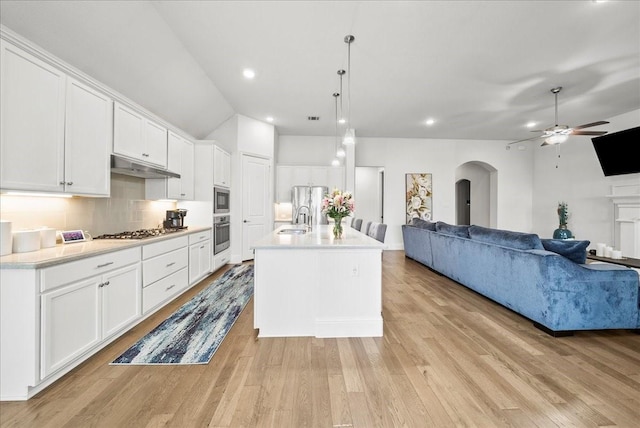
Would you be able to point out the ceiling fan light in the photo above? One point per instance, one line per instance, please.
(556, 138)
(335, 162)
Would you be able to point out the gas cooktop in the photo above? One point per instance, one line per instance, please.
(139, 234)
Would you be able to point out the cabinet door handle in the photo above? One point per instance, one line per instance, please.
(202, 247)
(104, 265)
(146, 155)
(62, 183)
(170, 287)
(103, 284)
(171, 264)
(69, 183)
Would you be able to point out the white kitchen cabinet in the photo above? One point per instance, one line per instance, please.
(200, 256)
(70, 323)
(221, 259)
(88, 136)
(32, 122)
(180, 160)
(78, 313)
(288, 176)
(165, 269)
(203, 167)
(55, 131)
(138, 137)
(221, 167)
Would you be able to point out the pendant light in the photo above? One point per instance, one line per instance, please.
(336, 161)
(350, 134)
(340, 153)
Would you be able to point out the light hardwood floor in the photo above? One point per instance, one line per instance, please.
(449, 357)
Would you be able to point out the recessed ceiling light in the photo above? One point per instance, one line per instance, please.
(430, 122)
(248, 73)
(269, 119)
(531, 124)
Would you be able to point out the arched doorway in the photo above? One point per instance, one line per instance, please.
(476, 194)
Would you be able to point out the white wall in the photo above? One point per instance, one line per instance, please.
(242, 135)
(579, 181)
(528, 184)
(368, 204)
(441, 158)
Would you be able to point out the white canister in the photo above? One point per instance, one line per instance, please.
(600, 249)
(25, 241)
(47, 237)
(608, 251)
(616, 254)
(6, 238)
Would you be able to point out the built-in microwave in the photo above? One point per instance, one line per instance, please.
(221, 200)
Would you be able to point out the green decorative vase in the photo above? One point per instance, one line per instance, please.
(562, 233)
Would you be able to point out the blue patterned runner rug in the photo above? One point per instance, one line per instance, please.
(192, 334)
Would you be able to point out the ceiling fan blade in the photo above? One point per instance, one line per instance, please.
(589, 125)
(526, 139)
(588, 132)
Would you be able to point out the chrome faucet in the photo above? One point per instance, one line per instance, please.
(306, 216)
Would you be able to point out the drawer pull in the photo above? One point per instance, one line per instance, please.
(170, 287)
(171, 264)
(202, 247)
(103, 284)
(104, 265)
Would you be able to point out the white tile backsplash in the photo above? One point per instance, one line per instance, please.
(126, 209)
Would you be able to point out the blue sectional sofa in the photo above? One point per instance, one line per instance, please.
(544, 280)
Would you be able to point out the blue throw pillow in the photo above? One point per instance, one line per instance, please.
(576, 251)
(451, 229)
(506, 238)
(423, 224)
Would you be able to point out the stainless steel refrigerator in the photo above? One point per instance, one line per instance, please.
(306, 205)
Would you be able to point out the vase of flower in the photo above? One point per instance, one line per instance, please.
(337, 205)
(562, 232)
(337, 227)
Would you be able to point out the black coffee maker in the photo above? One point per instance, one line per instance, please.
(175, 219)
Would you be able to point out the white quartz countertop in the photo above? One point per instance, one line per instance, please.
(320, 237)
(63, 253)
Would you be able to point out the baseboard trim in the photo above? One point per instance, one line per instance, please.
(554, 333)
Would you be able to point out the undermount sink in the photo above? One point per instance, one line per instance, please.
(292, 231)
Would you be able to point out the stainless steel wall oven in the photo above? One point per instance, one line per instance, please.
(221, 233)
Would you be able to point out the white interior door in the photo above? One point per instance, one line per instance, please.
(256, 202)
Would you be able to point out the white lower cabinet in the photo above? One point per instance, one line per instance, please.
(78, 316)
(200, 260)
(221, 259)
(85, 302)
(165, 271)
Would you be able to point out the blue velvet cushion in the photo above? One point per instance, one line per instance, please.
(576, 251)
(506, 238)
(423, 224)
(451, 229)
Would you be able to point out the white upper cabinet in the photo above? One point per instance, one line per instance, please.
(32, 122)
(180, 160)
(139, 138)
(55, 131)
(88, 136)
(221, 167)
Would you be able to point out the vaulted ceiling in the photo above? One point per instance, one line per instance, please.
(480, 69)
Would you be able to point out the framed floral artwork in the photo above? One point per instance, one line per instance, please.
(418, 197)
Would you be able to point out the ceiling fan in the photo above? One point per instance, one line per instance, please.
(559, 133)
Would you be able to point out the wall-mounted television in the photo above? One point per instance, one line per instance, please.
(618, 151)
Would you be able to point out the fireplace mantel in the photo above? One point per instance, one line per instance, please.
(626, 211)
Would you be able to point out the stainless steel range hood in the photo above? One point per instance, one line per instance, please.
(126, 166)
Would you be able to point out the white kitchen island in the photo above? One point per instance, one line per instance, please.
(314, 285)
